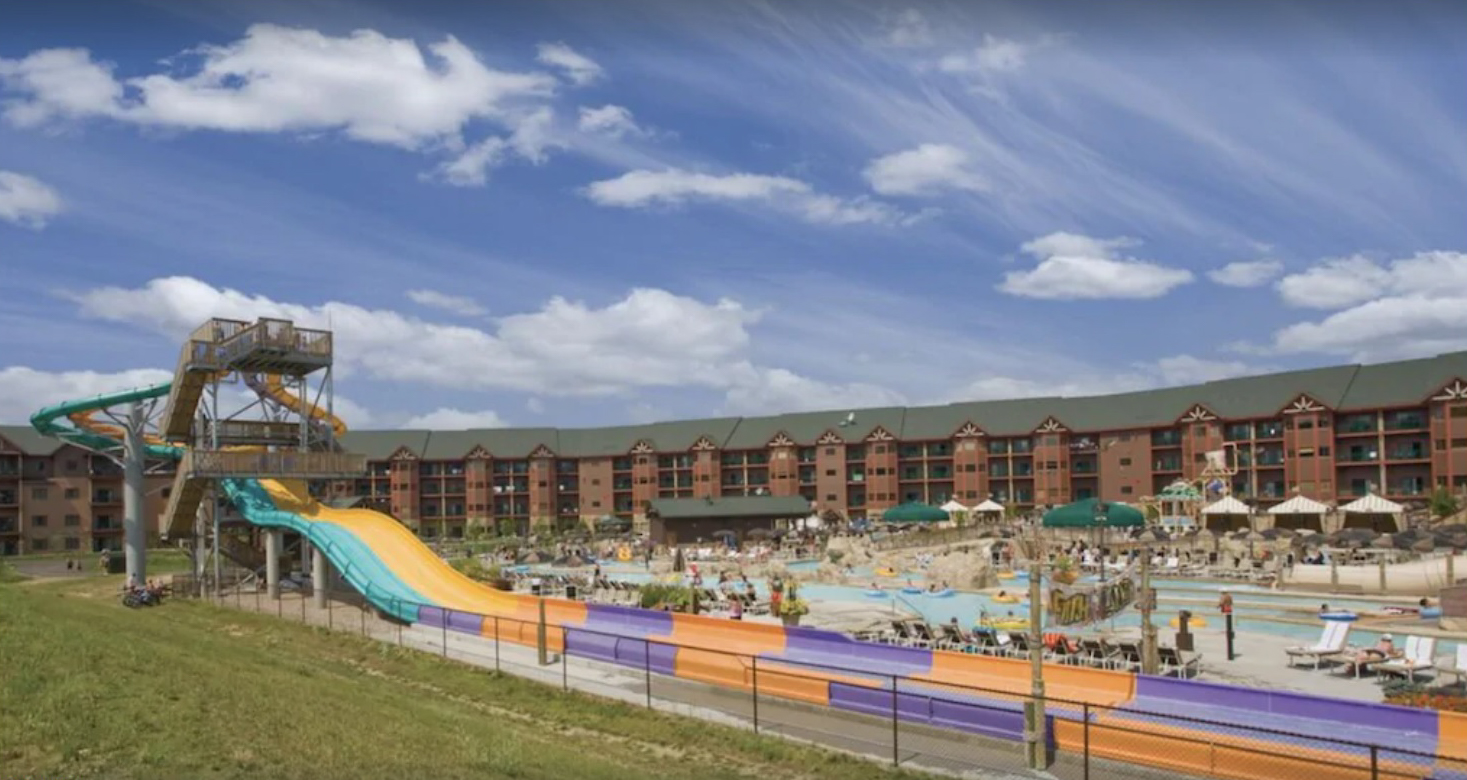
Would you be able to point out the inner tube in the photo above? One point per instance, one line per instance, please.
(1007, 575)
(886, 571)
(1008, 599)
(1006, 625)
(1431, 612)
(911, 591)
(941, 594)
(876, 594)
(1343, 617)
(1195, 621)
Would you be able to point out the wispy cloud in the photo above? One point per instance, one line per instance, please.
(1075, 267)
(453, 304)
(27, 201)
(672, 187)
(580, 69)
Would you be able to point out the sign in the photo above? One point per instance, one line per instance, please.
(1073, 604)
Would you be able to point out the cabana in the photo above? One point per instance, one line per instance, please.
(1300, 512)
(989, 511)
(955, 510)
(1226, 514)
(1373, 512)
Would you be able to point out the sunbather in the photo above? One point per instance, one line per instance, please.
(1384, 649)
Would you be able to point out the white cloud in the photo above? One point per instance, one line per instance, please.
(994, 55)
(24, 391)
(1336, 283)
(761, 391)
(579, 69)
(610, 120)
(1165, 372)
(279, 79)
(471, 168)
(535, 405)
(1074, 267)
(27, 201)
(926, 170)
(908, 30)
(454, 304)
(1409, 307)
(650, 338)
(673, 186)
(1250, 273)
(448, 419)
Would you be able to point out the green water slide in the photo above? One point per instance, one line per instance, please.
(52, 421)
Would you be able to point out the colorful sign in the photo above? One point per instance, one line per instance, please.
(1089, 602)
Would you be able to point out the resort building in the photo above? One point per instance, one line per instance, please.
(1333, 434)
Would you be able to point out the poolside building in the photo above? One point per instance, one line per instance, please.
(1398, 430)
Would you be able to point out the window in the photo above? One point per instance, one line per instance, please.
(73, 520)
(829, 450)
(41, 494)
(38, 521)
(71, 493)
(829, 496)
(1324, 451)
(1306, 452)
(595, 480)
(595, 503)
(40, 545)
(73, 543)
(1458, 444)
(1458, 411)
(1125, 490)
(1125, 461)
(830, 472)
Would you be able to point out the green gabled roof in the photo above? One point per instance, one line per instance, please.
(508, 442)
(1405, 383)
(380, 445)
(805, 428)
(25, 439)
(730, 507)
(1266, 395)
(616, 441)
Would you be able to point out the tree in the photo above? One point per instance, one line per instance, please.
(1444, 503)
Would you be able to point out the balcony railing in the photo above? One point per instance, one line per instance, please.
(1360, 457)
(1407, 422)
(225, 464)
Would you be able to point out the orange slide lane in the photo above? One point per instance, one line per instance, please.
(422, 570)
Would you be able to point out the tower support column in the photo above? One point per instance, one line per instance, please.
(320, 576)
(135, 529)
(272, 562)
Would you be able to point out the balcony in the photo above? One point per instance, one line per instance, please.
(8, 498)
(1409, 453)
(1360, 456)
(1166, 439)
(1238, 432)
(9, 525)
(1167, 464)
(1356, 423)
(1268, 430)
(1083, 467)
(106, 497)
(1405, 421)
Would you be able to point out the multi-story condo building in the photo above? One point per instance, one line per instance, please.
(1396, 429)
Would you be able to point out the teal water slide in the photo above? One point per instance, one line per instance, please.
(354, 560)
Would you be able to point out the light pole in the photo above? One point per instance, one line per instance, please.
(1102, 514)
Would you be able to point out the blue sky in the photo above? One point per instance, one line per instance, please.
(590, 213)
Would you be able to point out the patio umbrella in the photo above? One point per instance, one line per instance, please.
(914, 512)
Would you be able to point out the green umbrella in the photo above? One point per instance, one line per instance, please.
(1081, 514)
(914, 512)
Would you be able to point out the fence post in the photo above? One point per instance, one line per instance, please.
(896, 756)
(647, 661)
(444, 613)
(1374, 762)
(564, 661)
(1086, 715)
(756, 694)
(496, 643)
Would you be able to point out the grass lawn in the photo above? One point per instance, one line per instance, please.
(89, 688)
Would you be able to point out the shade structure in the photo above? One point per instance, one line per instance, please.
(1180, 491)
(914, 512)
(988, 505)
(1373, 512)
(1299, 512)
(613, 524)
(1371, 504)
(1082, 514)
(953, 506)
(1227, 505)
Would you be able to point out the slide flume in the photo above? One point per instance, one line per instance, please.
(402, 577)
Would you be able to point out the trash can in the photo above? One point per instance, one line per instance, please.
(535, 588)
(570, 592)
(1184, 635)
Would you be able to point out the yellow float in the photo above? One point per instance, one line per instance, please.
(623, 553)
(1007, 624)
(1007, 598)
(1006, 575)
(1195, 621)
(885, 571)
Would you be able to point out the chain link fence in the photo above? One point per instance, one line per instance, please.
(903, 720)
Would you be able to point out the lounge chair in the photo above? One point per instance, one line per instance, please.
(922, 635)
(1455, 666)
(1097, 653)
(1420, 656)
(1172, 660)
(1127, 656)
(1331, 643)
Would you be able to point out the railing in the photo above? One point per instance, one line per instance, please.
(258, 431)
(905, 721)
(215, 463)
(933, 538)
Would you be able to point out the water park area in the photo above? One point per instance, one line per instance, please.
(1079, 639)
